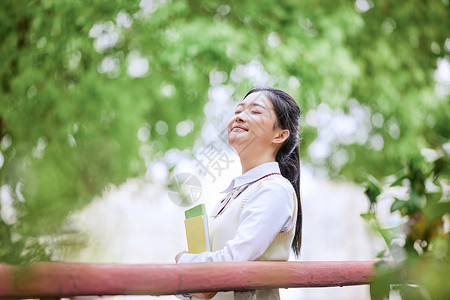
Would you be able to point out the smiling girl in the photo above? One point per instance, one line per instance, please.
(261, 216)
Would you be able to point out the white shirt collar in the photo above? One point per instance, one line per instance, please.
(253, 174)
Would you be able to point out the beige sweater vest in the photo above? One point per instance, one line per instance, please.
(224, 226)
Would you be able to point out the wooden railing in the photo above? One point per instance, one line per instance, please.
(59, 279)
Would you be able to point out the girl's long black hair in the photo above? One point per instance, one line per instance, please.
(288, 156)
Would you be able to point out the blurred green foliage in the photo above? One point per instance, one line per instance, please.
(416, 260)
(71, 107)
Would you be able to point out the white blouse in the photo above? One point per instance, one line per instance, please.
(267, 212)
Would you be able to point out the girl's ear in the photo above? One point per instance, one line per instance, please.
(281, 136)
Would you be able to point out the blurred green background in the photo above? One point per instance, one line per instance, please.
(92, 93)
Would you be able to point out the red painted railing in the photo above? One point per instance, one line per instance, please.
(59, 279)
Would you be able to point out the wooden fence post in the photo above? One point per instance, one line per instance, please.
(246, 295)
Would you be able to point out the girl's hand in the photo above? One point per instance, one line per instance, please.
(198, 295)
(177, 258)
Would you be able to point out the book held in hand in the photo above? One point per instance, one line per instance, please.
(197, 229)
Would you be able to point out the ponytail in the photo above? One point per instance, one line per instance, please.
(290, 169)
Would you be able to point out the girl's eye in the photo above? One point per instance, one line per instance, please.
(256, 112)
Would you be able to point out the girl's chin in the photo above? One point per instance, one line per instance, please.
(239, 144)
(237, 133)
(236, 140)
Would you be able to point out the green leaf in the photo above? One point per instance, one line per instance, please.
(399, 181)
(381, 253)
(414, 203)
(442, 166)
(368, 216)
(373, 188)
(437, 210)
(390, 233)
(397, 205)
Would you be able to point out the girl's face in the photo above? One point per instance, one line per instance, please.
(252, 128)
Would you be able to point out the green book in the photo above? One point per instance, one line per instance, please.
(198, 210)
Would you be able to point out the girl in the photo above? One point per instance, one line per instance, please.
(261, 217)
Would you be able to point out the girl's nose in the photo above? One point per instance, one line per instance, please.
(242, 116)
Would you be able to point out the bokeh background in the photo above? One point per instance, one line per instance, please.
(103, 103)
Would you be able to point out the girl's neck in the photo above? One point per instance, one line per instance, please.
(249, 162)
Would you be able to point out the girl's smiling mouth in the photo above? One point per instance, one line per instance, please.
(239, 127)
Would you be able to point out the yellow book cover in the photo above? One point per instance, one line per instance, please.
(197, 234)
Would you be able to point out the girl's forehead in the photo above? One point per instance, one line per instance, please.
(257, 98)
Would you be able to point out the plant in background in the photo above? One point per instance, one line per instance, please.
(91, 95)
(416, 260)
